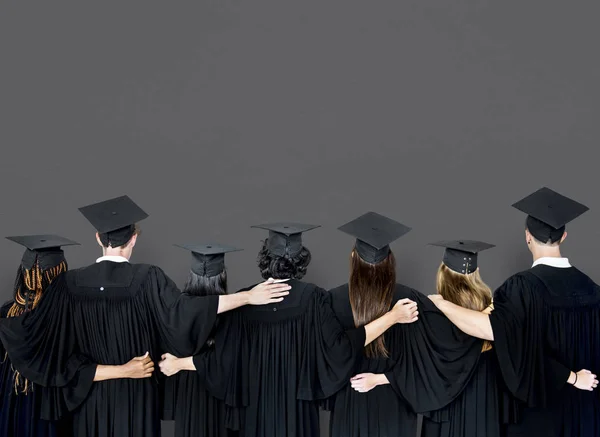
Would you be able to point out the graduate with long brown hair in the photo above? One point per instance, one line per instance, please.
(413, 367)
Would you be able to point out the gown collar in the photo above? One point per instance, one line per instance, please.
(113, 258)
(561, 263)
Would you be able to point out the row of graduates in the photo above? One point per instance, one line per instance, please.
(362, 350)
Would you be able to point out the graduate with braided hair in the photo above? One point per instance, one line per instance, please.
(21, 402)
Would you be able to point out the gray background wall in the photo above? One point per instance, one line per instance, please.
(216, 115)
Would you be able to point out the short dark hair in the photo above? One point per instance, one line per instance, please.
(199, 285)
(283, 267)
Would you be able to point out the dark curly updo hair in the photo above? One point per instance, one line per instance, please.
(283, 267)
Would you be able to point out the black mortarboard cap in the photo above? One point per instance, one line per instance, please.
(285, 239)
(461, 255)
(374, 233)
(114, 219)
(208, 259)
(46, 249)
(548, 213)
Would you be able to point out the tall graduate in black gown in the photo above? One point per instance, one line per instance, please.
(21, 401)
(196, 412)
(413, 367)
(545, 321)
(273, 363)
(105, 314)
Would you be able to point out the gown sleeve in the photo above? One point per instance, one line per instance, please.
(222, 368)
(331, 353)
(184, 322)
(434, 359)
(42, 346)
(518, 325)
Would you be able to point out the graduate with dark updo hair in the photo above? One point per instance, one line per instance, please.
(195, 411)
(22, 402)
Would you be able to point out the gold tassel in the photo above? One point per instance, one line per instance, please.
(33, 282)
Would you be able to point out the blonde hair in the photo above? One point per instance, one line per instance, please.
(466, 290)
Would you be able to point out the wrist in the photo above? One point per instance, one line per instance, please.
(381, 379)
(122, 370)
(572, 378)
(245, 297)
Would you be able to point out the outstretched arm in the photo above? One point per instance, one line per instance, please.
(471, 322)
(404, 311)
(270, 291)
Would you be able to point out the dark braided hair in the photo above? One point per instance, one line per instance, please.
(30, 285)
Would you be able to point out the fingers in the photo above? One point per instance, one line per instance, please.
(276, 281)
(405, 301)
(275, 288)
(143, 357)
(357, 377)
(275, 300)
(280, 294)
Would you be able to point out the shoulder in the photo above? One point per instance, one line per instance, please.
(403, 291)
(519, 287)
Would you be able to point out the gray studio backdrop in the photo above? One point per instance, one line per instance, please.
(216, 115)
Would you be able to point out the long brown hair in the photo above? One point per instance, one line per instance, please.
(371, 290)
(468, 291)
(29, 288)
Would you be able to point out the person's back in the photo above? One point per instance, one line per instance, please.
(380, 411)
(562, 307)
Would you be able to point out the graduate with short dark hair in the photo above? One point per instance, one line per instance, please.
(94, 319)
(186, 401)
(272, 364)
(545, 321)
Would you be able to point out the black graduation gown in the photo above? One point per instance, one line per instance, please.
(273, 362)
(20, 414)
(106, 313)
(482, 409)
(430, 362)
(195, 411)
(553, 312)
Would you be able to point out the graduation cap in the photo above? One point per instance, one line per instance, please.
(45, 249)
(285, 239)
(548, 212)
(208, 259)
(461, 255)
(374, 233)
(114, 219)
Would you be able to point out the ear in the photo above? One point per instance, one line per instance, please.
(563, 238)
(528, 236)
(99, 241)
(132, 241)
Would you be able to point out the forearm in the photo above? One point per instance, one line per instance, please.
(377, 327)
(230, 302)
(104, 372)
(474, 323)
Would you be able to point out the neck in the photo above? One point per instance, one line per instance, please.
(546, 252)
(109, 251)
